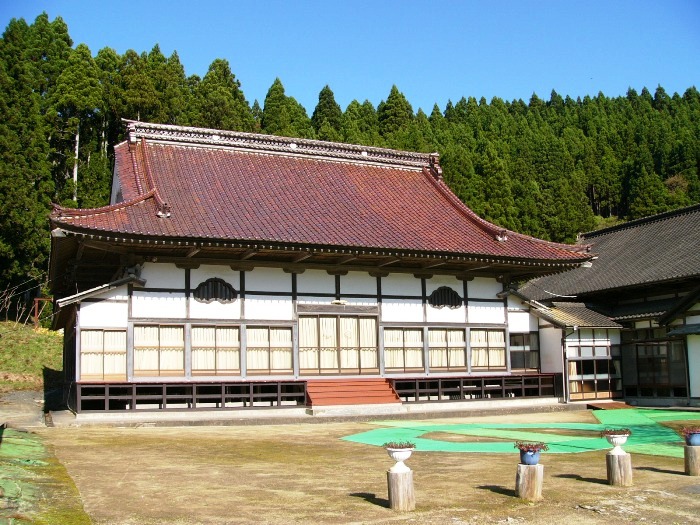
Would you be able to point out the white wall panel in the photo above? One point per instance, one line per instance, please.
(484, 288)
(358, 282)
(397, 310)
(693, 342)
(444, 280)
(401, 284)
(159, 305)
(215, 310)
(159, 275)
(208, 271)
(266, 307)
(315, 281)
(521, 322)
(551, 351)
(107, 314)
(268, 280)
(493, 313)
(446, 314)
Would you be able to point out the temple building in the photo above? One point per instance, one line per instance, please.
(243, 270)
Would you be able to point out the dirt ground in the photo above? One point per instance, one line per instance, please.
(304, 473)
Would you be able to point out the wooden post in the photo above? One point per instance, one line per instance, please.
(528, 482)
(692, 460)
(401, 494)
(619, 469)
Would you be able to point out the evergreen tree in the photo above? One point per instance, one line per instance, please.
(327, 117)
(221, 102)
(395, 113)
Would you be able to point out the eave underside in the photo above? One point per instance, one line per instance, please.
(80, 262)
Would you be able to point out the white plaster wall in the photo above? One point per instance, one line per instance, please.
(444, 280)
(401, 284)
(215, 310)
(693, 343)
(104, 314)
(268, 308)
(315, 281)
(521, 322)
(204, 272)
(158, 305)
(550, 350)
(693, 319)
(402, 310)
(490, 313)
(446, 314)
(161, 275)
(358, 283)
(268, 280)
(484, 288)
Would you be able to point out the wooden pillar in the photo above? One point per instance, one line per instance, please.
(528, 482)
(401, 494)
(619, 469)
(692, 460)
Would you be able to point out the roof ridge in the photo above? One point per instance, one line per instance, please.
(641, 221)
(61, 212)
(273, 144)
(499, 233)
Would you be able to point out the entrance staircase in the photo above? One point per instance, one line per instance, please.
(329, 392)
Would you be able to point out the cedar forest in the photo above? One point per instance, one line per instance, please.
(547, 168)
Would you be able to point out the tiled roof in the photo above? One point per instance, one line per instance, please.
(661, 248)
(188, 183)
(574, 314)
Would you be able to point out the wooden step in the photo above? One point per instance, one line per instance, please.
(328, 392)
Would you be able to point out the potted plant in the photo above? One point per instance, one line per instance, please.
(530, 452)
(616, 437)
(399, 451)
(691, 435)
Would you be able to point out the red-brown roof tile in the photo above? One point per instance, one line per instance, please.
(297, 192)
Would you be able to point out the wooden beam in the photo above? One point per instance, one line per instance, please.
(392, 260)
(347, 259)
(248, 254)
(302, 257)
(194, 251)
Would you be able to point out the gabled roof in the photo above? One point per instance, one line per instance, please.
(655, 249)
(253, 196)
(569, 315)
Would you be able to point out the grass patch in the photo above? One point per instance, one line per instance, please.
(24, 355)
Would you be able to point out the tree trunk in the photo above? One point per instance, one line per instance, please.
(401, 493)
(75, 164)
(619, 469)
(528, 482)
(692, 460)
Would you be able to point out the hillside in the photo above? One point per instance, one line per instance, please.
(27, 356)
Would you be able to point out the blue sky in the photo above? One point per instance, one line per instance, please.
(433, 51)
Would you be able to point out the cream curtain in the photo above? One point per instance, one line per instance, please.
(215, 350)
(115, 354)
(92, 354)
(203, 349)
(172, 350)
(437, 345)
(368, 343)
(146, 345)
(308, 343)
(228, 349)
(281, 349)
(328, 343)
(393, 348)
(258, 351)
(349, 342)
(488, 348)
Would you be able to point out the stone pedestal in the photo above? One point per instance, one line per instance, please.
(401, 494)
(692, 460)
(619, 469)
(528, 482)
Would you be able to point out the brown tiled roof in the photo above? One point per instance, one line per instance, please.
(655, 249)
(187, 183)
